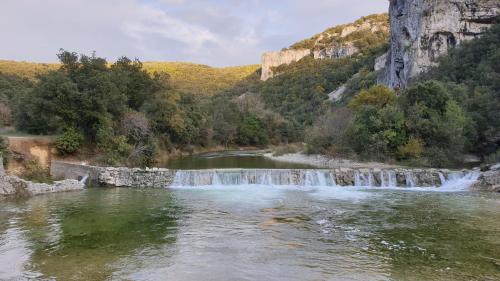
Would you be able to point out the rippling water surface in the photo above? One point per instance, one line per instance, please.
(251, 233)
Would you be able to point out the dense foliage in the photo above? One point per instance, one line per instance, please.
(297, 95)
(450, 111)
(120, 109)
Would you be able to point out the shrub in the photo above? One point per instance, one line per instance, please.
(412, 149)
(36, 172)
(4, 150)
(330, 132)
(377, 96)
(5, 115)
(69, 142)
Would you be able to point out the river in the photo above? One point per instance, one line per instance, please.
(251, 232)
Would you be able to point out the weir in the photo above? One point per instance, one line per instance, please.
(319, 177)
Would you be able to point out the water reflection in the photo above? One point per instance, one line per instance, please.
(80, 236)
(230, 159)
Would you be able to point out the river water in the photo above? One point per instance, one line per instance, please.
(230, 159)
(251, 233)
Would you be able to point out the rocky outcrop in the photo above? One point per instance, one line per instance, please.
(380, 62)
(275, 59)
(424, 30)
(13, 186)
(489, 180)
(336, 51)
(336, 42)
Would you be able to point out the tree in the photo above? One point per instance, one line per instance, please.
(377, 96)
(251, 132)
(69, 142)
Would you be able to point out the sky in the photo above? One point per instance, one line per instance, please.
(212, 32)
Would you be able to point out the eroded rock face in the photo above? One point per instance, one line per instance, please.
(336, 42)
(274, 59)
(424, 30)
(336, 51)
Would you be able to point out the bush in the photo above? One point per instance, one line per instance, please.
(330, 133)
(36, 173)
(4, 150)
(69, 142)
(251, 132)
(412, 149)
(377, 96)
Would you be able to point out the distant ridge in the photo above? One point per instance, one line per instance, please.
(194, 78)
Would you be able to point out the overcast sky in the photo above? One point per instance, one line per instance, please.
(213, 32)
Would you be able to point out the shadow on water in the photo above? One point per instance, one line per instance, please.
(82, 236)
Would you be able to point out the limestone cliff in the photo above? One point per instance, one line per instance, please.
(274, 59)
(336, 42)
(423, 30)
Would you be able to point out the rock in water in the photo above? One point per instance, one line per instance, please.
(423, 30)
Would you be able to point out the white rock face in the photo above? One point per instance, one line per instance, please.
(423, 30)
(336, 42)
(274, 59)
(336, 51)
(337, 94)
(380, 62)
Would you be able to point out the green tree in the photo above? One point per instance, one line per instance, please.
(251, 132)
(69, 142)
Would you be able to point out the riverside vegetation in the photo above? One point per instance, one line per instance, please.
(127, 113)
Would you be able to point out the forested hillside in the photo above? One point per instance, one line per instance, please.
(197, 79)
(448, 112)
(362, 33)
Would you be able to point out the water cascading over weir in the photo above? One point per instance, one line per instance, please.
(318, 177)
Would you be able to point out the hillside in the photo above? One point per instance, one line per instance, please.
(341, 41)
(187, 77)
(359, 33)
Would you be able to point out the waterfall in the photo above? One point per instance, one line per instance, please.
(460, 181)
(389, 178)
(253, 177)
(442, 179)
(364, 178)
(410, 182)
(392, 179)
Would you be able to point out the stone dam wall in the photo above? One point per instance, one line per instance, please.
(13, 186)
(161, 178)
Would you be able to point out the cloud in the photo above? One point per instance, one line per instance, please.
(215, 32)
